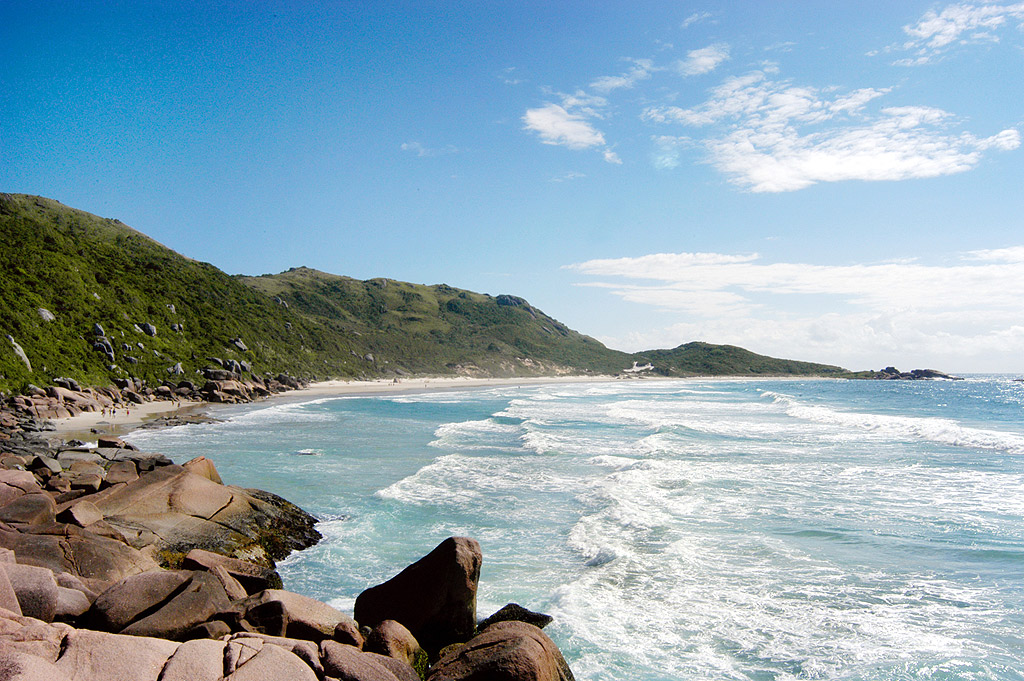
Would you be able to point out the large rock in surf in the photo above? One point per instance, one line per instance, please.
(506, 651)
(434, 598)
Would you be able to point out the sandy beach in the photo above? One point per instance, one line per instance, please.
(88, 425)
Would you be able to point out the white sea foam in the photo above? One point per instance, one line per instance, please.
(944, 431)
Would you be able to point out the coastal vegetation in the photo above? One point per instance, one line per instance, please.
(91, 299)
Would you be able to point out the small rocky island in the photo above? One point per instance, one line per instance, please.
(894, 374)
(117, 564)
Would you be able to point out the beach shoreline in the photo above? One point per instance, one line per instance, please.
(90, 425)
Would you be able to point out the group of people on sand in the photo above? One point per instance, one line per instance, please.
(112, 413)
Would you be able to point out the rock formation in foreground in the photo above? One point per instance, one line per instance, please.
(119, 564)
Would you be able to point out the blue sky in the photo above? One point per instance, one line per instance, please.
(838, 182)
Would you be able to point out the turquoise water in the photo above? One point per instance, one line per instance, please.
(780, 529)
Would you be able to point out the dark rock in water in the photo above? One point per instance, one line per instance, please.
(513, 612)
(505, 651)
(434, 598)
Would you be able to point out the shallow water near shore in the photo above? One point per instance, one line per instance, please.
(719, 529)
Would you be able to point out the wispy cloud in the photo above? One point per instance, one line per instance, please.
(420, 150)
(695, 18)
(568, 176)
(641, 71)
(781, 137)
(957, 24)
(704, 60)
(970, 304)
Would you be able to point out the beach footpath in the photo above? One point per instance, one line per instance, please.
(117, 563)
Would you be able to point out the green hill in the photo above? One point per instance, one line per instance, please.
(705, 359)
(92, 299)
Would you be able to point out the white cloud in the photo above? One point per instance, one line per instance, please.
(780, 137)
(890, 310)
(641, 71)
(704, 60)
(555, 125)
(568, 176)
(569, 125)
(420, 150)
(960, 23)
(695, 18)
(1013, 254)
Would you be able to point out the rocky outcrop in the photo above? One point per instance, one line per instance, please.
(894, 374)
(434, 598)
(120, 564)
(505, 651)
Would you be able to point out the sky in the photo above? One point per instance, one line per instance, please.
(837, 182)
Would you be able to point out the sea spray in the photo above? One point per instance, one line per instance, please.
(778, 529)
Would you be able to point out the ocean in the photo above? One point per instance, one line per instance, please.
(676, 529)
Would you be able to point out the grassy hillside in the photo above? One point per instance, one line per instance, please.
(440, 329)
(87, 270)
(92, 299)
(705, 359)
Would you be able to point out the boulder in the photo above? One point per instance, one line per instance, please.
(505, 651)
(435, 597)
(82, 513)
(201, 599)
(148, 329)
(46, 315)
(253, 578)
(393, 640)
(8, 597)
(513, 612)
(36, 590)
(198, 660)
(166, 604)
(348, 663)
(234, 590)
(80, 552)
(123, 603)
(32, 636)
(272, 662)
(19, 666)
(121, 471)
(20, 353)
(71, 604)
(204, 467)
(92, 655)
(29, 509)
(283, 613)
(307, 651)
(14, 484)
